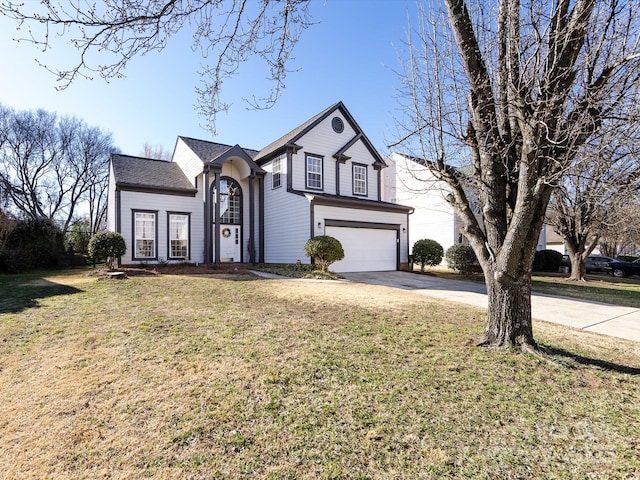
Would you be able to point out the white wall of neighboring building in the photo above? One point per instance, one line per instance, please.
(408, 183)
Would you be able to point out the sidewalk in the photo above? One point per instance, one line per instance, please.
(612, 320)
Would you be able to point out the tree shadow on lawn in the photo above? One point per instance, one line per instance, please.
(592, 362)
(16, 297)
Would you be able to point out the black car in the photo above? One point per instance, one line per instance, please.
(624, 269)
(594, 263)
(598, 263)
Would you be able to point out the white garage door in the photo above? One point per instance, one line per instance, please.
(365, 249)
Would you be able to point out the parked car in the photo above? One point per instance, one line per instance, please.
(624, 269)
(594, 263)
(598, 263)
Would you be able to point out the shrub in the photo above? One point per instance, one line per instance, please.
(107, 245)
(427, 252)
(461, 258)
(324, 250)
(32, 243)
(79, 235)
(547, 261)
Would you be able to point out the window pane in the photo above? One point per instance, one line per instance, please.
(230, 202)
(275, 177)
(359, 179)
(145, 234)
(178, 235)
(314, 172)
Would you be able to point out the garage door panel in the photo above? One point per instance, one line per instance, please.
(365, 249)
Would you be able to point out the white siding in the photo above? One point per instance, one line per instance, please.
(188, 161)
(111, 201)
(131, 201)
(322, 213)
(321, 140)
(415, 186)
(286, 224)
(359, 154)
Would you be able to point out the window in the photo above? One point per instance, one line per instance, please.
(277, 170)
(359, 179)
(144, 231)
(314, 172)
(178, 235)
(230, 201)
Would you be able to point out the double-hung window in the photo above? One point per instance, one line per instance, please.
(178, 235)
(144, 226)
(314, 172)
(277, 170)
(359, 179)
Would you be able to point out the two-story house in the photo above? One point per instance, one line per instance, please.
(216, 203)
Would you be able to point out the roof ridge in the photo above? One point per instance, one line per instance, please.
(141, 158)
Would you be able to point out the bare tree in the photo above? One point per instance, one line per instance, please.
(601, 182)
(228, 31)
(514, 89)
(157, 152)
(51, 165)
(621, 233)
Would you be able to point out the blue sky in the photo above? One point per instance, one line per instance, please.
(351, 55)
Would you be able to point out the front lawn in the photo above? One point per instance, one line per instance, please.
(204, 377)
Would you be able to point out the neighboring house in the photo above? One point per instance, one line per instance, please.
(216, 203)
(409, 182)
(552, 240)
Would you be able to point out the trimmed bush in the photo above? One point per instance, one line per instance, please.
(547, 261)
(324, 250)
(108, 246)
(427, 252)
(461, 258)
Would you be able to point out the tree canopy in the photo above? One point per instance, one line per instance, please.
(53, 166)
(515, 90)
(110, 33)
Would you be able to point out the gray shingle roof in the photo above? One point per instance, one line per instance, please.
(208, 151)
(296, 133)
(147, 173)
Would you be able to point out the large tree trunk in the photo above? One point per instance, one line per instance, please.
(578, 267)
(509, 314)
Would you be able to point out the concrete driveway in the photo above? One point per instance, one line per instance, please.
(622, 322)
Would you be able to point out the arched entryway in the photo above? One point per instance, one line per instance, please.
(230, 220)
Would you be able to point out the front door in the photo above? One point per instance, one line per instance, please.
(230, 236)
(230, 239)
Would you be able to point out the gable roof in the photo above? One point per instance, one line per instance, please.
(294, 135)
(137, 173)
(209, 151)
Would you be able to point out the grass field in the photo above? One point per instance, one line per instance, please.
(234, 377)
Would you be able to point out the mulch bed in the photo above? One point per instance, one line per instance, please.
(183, 269)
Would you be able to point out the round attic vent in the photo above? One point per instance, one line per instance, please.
(337, 124)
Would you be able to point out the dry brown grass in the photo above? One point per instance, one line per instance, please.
(206, 377)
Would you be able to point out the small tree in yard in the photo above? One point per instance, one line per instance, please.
(324, 250)
(107, 245)
(461, 258)
(427, 252)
